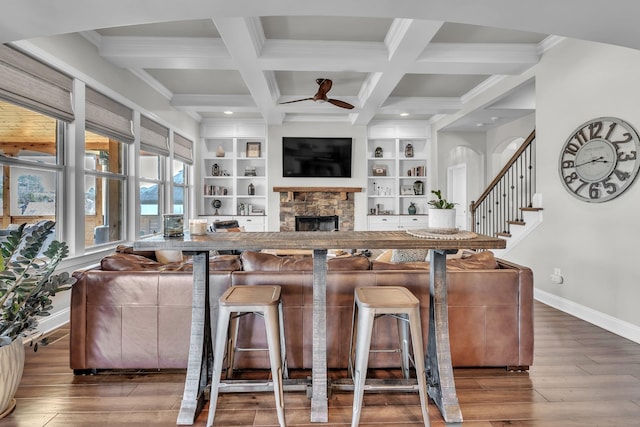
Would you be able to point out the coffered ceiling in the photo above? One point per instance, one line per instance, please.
(385, 67)
(244, 57)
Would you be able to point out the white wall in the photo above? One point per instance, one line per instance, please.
(499, 138)
(594, 244)
(274, 165)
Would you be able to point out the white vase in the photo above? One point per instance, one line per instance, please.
(442, 218)
(11, 367)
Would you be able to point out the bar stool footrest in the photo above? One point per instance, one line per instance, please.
(399, 384)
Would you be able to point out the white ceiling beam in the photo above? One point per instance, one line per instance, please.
(476, 58)
(243, 38)
(321, 55)
(406, 40)
(167, 52)
(420, 105)
(214, 103)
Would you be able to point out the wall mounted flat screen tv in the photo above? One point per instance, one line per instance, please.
(316, 157)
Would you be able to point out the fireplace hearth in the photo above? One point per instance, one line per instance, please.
(317, 223)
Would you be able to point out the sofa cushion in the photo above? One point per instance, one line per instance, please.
(216, 263)
(260, 261)
(126, 249)
(484, 260)
(128, 262)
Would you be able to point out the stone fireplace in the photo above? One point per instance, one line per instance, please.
(334, 202)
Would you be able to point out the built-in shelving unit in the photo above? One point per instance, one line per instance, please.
(396, 178)
(236, 178)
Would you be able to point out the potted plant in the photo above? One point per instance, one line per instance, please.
(27, 284)
(442, 213)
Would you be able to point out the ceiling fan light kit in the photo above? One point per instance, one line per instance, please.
(321, 95)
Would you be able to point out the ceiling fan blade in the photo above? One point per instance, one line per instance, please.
(298, 100)
(339, 103)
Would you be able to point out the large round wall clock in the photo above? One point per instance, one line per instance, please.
(599, 160)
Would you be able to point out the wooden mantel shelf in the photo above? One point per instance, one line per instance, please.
(342, 190)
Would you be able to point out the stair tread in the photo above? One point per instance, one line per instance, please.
(531, 209)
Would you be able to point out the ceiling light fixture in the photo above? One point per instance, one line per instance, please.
(228, 112)
(479, 125)
(404, 114)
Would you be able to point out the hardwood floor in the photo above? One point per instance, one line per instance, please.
(582, 376)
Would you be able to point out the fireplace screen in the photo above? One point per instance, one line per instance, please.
(317, 223)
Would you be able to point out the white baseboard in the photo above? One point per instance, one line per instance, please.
(55, 320)
(609, 323)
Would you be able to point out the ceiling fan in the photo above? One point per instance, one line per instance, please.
(321, 95)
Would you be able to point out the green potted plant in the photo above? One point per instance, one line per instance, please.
(27, 283)
(442, 213)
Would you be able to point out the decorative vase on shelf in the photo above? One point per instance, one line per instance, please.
(215, 170)
(251, 190)
(412, 208)
(220, 151)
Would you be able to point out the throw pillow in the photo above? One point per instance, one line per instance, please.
(168, 256)
(408, 255)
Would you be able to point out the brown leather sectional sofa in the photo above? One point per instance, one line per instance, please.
(134, 313)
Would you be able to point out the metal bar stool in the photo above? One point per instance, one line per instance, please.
(237, 301)
(372, 302)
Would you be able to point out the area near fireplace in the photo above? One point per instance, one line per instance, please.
(316, 202)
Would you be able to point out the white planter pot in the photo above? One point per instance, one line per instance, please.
(11, 366)
(442, 218)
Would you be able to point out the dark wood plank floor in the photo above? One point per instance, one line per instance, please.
(582, 376)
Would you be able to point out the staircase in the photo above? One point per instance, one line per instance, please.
(510, 208)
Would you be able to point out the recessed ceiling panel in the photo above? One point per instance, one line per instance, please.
(304, 82)
(326, 28)
(463, 33)
(438, 85)
(201, 82)
(197, 28)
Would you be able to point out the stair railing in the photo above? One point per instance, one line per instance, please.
(510, 192)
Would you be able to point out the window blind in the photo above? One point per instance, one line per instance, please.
(32, 84)
(153, 136)
(108, 117)
(183, 148)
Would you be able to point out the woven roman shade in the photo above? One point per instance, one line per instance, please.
(108, 117)
(153, 136)
(31, 84)
(183, 148)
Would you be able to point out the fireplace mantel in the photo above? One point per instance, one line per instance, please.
(342, 190)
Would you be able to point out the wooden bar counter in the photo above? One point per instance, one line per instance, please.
(438, 364)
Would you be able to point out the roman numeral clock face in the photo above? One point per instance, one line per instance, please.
(599, 160)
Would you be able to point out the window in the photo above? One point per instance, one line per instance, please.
(180, 187)
(151, 192)
(107, 138)
(105, 183)
(31, 163)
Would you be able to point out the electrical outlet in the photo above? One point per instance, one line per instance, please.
(556, 277)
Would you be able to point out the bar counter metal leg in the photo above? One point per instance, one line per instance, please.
(439, 370)
(200, 352)
(319, 381)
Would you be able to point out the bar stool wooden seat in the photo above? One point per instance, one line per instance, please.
(235, 302)
(372, 302)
